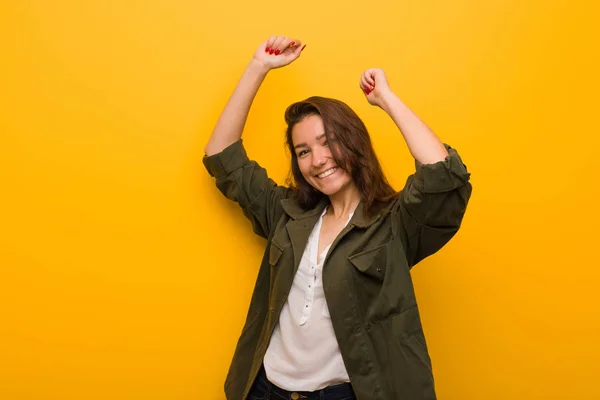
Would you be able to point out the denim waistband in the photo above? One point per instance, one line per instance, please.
(335, 392)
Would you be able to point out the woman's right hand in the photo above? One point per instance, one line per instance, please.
(278, 51)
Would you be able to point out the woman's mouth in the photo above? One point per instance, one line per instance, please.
(327, 173)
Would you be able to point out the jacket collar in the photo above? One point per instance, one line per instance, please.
(293, 209)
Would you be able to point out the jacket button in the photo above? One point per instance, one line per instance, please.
(272, 309)
(378, 269)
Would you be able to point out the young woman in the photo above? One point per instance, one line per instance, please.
(334, 315)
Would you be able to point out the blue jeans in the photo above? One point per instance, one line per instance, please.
(262, 389)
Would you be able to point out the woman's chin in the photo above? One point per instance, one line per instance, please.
(329, 190)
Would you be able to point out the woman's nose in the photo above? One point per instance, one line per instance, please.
(319, 158)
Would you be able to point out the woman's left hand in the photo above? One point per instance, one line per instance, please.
(374, 85)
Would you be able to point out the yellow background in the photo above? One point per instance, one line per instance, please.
(125, 275)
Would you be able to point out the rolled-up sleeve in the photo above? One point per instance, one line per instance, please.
(228, 160)
(432, 205)
(247, 183)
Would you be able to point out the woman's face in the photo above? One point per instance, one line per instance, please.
(315, 160)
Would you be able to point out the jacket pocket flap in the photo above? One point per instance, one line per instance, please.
(364, 259)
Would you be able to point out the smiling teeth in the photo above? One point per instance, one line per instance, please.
(327, 173)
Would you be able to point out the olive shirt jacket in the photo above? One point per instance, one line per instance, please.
(366, 274)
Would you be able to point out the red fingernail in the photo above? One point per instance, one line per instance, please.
(277, 52)
(367, 91)
(293, 43)
(272, 51)
(303, 48)
(267, 49)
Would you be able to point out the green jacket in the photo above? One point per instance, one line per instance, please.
(366, 274)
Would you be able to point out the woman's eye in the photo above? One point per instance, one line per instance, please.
(326, 143)
(303, 152)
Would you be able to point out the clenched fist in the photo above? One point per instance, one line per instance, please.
(278, 51)
(374, 84)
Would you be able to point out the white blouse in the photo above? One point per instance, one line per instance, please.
(303, 354)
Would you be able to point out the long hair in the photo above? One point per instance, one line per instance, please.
(354, 153)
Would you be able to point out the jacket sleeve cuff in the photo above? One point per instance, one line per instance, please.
(442, 176)
(229, 159)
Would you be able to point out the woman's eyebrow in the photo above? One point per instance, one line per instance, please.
(305, 145)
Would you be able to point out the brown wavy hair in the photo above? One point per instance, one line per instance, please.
(354, 153)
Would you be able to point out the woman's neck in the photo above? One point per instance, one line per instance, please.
(343, 203)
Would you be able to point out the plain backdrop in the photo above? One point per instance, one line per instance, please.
(124, 274)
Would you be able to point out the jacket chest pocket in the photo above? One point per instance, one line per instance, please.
(371, 262)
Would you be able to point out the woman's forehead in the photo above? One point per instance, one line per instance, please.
(309, 130)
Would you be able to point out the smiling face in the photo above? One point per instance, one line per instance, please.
(315, 160)
(349, 142)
